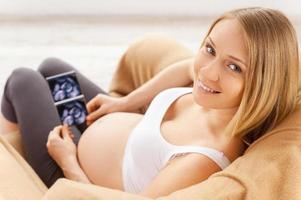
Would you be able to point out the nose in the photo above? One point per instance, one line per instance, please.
(211, 71)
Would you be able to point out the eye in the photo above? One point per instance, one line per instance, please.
(210, 49)
(235, 68)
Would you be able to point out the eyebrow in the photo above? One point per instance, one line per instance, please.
(237, 59)
(211, 41)
(232, 57)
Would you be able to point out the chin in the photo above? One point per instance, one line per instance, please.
(206, 101)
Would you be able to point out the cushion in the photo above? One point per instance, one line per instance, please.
(14, 138)
(66, 189)
(18, 180)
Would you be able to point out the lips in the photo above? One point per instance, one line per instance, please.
(206, 88)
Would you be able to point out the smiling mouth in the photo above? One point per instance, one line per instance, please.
(206, 88)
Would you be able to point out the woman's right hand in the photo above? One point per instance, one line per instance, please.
(103, 104)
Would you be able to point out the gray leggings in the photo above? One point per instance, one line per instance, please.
(27, 101)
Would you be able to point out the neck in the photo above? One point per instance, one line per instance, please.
(216, 119)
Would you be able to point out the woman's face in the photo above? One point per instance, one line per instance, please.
(220, 67)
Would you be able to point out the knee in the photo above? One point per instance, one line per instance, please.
(22, 74)
(52, 65)
(21, 78)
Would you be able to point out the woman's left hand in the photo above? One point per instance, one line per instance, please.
(61, 146)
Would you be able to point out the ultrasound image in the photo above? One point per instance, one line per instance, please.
(72, 113)
(68, 99)
(65, 88)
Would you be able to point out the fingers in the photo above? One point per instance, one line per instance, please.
(55, 131)
(66, 132)
(93, 104)
(60, 131)
(95, 115)
(54, 134)
(89, 122)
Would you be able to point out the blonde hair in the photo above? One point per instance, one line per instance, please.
(272, 77)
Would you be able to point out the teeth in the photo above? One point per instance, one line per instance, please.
(200, 84)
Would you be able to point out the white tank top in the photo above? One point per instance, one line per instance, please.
(147, 152)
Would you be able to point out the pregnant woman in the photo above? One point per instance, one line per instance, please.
(204, 110)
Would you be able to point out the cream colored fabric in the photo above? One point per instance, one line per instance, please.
(17, 178)
(66, 189)
(143, 60)
(14, 138)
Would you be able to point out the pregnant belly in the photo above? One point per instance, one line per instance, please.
(102, 145)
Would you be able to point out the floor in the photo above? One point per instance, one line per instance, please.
(93, 45)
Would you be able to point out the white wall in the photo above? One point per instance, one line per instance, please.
(139, 7)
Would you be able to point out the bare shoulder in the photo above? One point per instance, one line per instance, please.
(180, 173)
(233, 148)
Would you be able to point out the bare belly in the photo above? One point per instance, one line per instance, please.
(102, 145)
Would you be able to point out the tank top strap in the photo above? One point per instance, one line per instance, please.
(162, 102)
(217, 156)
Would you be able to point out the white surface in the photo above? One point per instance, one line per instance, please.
(138, 7)
(94, 48)
(91, 44)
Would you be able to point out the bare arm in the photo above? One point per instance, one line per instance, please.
(188, 170)
(179, 74)
(74, 172)
(181, 173)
